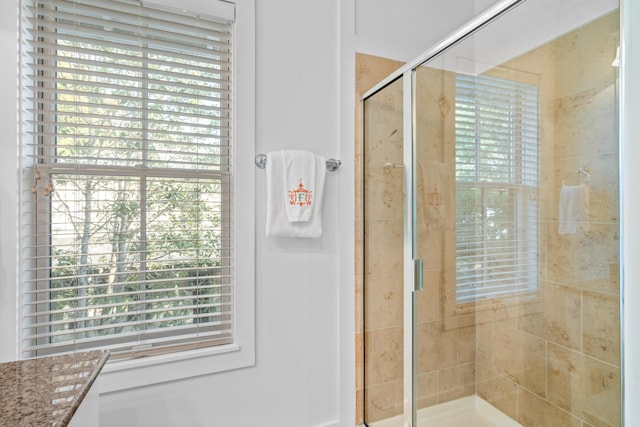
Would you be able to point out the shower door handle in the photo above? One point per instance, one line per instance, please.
(418, 275)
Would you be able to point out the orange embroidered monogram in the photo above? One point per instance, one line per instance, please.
(300, 196)
(435, 198)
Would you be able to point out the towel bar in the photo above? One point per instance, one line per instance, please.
(332, 164)
(586, 172)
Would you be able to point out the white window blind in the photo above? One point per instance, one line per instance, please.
(127, 228)
(496, 187)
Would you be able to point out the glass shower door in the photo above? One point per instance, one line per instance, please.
(444, 333)
(496, 163)
(515, 171)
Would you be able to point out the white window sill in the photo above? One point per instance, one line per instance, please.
(126, 374)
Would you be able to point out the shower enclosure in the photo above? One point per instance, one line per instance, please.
(490, 190)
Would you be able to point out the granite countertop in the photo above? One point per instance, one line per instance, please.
(47, 391)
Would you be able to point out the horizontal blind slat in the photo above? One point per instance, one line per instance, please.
(219, 309)
(81, 20)
(135, 333)
(159, 345)
(131, 10)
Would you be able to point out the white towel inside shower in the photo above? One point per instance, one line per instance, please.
(574, 209)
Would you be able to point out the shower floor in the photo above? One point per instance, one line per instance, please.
(469, 411)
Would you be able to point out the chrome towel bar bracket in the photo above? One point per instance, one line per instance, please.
(332, 164)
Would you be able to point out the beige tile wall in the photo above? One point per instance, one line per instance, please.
(383, 302)
(555, 359)
(383, 258)
(446, 336)
(446, 339)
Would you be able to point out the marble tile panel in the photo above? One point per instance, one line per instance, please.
(466, 319)
(497, 390)
(554, 315)
(359, 407)
(584, 386)
(448, 304)
(383, 190)
(594, 47)
(427, 389)
(584, 259)
(520, 357)
(436, 196)
(601, 326)
(451, 323)
(383, 299)
(382, 137)
(456, 382)
(484, 344)
(368, 359)
(359, 361)
(604, 186)
(586, 122)
(596, 70)
(548, 192)
(358, 261)
(534, 411)
(449, 251)
(358, 188)
(437, 346)
(370, 70)
(383, 246)
(383, 401)
(466, 344)
(435, 112)
(385, 356)
(382, 144)
(497, 310)
(359, 303)
(431, 249)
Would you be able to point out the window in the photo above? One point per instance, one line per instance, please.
(496, 187)
(128, 244)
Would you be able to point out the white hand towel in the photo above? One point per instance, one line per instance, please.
(278, 223)
(299, 184)
(574, 209)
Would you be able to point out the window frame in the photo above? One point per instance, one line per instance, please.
(117, 375)
(519, 184)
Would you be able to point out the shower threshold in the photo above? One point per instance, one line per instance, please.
(464, 412)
